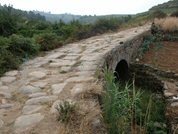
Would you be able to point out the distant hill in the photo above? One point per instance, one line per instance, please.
(69, 17)
(167, 7)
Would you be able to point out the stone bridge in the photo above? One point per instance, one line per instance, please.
(29, 96)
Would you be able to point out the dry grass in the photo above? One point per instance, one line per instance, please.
(169, 24)
(87, 117)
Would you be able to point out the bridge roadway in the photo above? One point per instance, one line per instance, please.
(28, 96)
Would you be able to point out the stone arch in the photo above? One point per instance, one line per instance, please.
(122, 71)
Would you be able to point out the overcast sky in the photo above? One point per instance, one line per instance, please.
(85, 7)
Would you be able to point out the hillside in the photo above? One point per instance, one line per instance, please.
(167, 7)
(85, 19)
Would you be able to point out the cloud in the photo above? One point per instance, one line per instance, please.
(99, 7)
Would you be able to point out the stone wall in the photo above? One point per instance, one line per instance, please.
(154, 79)
(125, 51)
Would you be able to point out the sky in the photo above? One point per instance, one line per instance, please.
(85, 7)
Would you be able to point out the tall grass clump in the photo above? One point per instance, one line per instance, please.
(119, 103)
(127, 109)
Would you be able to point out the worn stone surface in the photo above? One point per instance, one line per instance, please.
(30, 109)
(8, 79)
(6, 106)
(29, 89)
(12, 73)
(37, 74)
(38, 94)
(5, 95)
(77, 89)
(26, 122)
(41, 100)
(57, 88)
(59, 74)
(1, 123)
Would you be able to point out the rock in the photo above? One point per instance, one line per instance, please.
(3, 101)
(39, 84)
(168, 94)
(54, 65)
(79, 79)
(77, 89)
(70, 57)
(6, 106)
(5, 95)
(174, 104)
(38, 94)
(65, 69)
(37, 74)
(4, 88)
(137, 60)
(11, 73)
(30, 109)
(57, 88)
(26, 122)
(29, 89)
(60, 63)
(165, 86)
(55, 55)
(1, 123)
(55, 105)
(41, 100)
(8, 79)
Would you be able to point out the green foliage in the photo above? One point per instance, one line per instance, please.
(66, 111)
(119, 103)
(47, 41)
(14, 50)
(125, 106)
(8, 22)
(22, 47)
(158, 14)
(7, 61)
(174, 14)
(103, 25)
(147, 41)
(156, 122)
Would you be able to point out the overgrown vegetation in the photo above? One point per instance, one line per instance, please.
(66, 111)
(24, 34)
(127, 109)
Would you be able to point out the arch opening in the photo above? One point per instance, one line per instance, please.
(122, 71)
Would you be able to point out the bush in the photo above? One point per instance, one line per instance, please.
(22, 47)
(103, 25)
(47, 41)
(7, 61)
(174, 14)
(158, 14)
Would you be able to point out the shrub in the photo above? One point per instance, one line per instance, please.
(103, 25)
(47, 41)
(66, 111)
(158, 14)
(22, 47)
(7, 61)
(174, 14)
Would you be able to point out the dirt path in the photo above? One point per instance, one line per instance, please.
(28, 96)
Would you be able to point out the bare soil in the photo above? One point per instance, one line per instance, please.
(163, 56)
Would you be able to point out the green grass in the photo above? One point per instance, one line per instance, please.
(125, 106)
